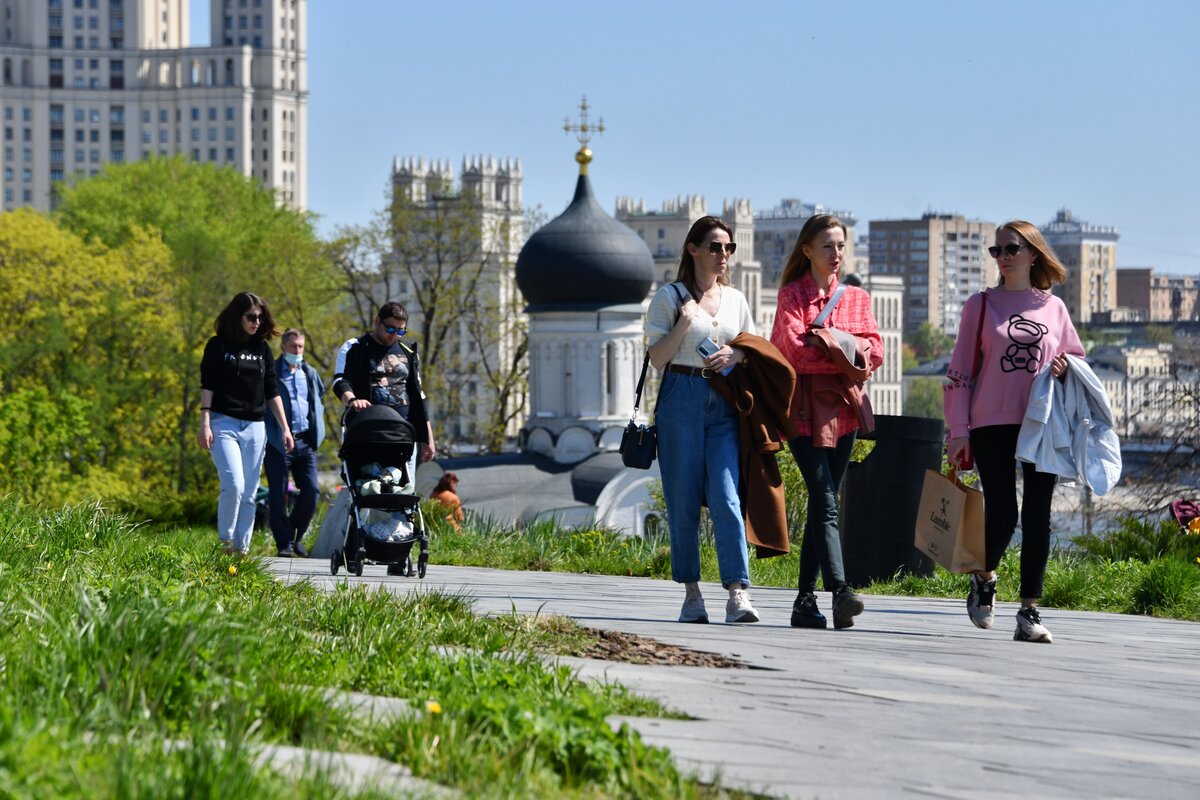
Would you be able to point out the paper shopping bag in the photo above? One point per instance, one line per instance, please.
(950, 522)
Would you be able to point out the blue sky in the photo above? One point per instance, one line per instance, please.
(995, 110)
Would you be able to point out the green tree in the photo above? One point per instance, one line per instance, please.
(86, 332)
(929, 342)
(908, 359)
(225, 234)
(924, 398)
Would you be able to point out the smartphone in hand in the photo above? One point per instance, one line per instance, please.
(709, 348)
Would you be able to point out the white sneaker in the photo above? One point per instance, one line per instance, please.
(738, 608)
(1030, 627)
(693, 610)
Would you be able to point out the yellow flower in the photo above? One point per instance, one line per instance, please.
(433, 706)
(233, 569)
(1194, 525)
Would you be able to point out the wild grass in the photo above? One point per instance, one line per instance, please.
(141, 662)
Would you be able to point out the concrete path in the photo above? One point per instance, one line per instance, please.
(911, 702)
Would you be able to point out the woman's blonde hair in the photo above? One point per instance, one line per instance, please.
(1046, 269)
(798, 263)
(687, 265)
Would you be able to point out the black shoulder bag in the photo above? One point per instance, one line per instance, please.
(639, 443)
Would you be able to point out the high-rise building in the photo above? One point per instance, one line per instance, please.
(1089, 252)
(942, 259)
(87, 82)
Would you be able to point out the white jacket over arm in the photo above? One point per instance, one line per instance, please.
(1068, 428)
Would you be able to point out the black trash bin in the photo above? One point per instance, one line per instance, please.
(880, 496)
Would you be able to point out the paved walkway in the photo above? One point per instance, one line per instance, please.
(911, 702)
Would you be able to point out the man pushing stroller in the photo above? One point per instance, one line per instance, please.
(381, 369)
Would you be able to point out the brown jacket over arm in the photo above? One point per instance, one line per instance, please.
(760, 389)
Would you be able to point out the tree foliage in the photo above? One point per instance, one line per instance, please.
(225, 234)
(82, 350)
(924, 398)
(929, 342)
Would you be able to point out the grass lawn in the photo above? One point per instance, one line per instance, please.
(144, 663)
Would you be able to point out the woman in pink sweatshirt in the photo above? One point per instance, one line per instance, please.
(1023, 329)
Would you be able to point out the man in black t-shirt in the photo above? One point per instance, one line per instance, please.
(381, 369)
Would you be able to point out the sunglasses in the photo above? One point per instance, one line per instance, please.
(1008, 250)
(253, 317)
(716, 247)
(395, 331)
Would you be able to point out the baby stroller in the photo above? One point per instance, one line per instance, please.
(385, 512)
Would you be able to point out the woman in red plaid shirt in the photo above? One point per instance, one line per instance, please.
(810, 279)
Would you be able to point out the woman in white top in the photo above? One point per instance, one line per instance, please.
(697, 429)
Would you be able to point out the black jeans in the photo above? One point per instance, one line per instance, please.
(822, 468)
(995, 451)
(302, 464)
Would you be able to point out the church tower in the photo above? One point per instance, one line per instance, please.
(585, 277)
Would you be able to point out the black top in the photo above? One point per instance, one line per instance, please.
(584, 260)
(386, 375)
(241, 376)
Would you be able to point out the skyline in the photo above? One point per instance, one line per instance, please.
(888, 110)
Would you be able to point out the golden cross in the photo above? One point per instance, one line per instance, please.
(584, 130)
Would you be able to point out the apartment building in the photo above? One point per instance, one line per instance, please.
(88, 82)
(1151, 296)
(942, 259)
(1089, 252)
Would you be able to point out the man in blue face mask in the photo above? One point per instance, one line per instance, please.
(300, 388)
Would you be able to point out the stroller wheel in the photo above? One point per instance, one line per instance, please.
(358, 562)
(422, 560)
(335, 562)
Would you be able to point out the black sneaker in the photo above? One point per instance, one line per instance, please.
(1030, 627)
(286, 552)
(805, 613)
(847, 605)
(300, 550)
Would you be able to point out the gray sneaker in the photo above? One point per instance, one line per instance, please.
(1030, 627)
(693, 610)
(981, 601)
(738, 608)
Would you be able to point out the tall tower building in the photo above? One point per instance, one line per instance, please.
(86, 82)
(942, 259)
(1089, 252)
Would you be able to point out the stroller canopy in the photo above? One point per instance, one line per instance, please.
(377, 432)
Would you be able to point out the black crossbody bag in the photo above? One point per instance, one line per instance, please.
(639, 443)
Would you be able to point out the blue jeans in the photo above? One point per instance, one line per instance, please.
(237, 452)
(302, 464)
(822, 469)
(698, 459)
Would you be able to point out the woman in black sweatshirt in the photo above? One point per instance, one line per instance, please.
(237, 383)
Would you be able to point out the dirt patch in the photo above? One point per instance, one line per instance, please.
(633, 649)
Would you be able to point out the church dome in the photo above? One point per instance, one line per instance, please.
(583, 260)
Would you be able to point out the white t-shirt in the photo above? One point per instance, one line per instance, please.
(732, 317)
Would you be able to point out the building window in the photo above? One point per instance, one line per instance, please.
(230, 133)
(212, 114)
(229, 156)
(229, 116)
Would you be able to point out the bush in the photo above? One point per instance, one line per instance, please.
(1141, 540)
